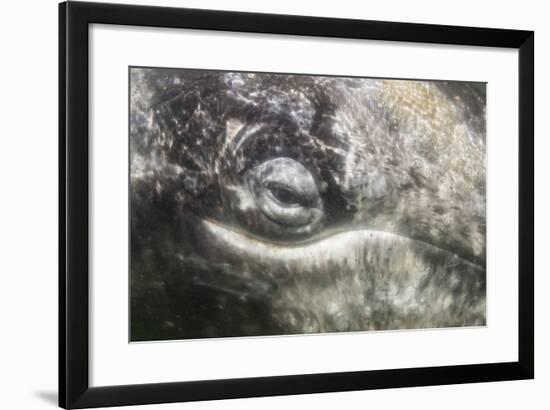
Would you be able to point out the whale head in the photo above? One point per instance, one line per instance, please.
(287, 204)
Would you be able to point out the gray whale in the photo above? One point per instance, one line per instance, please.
(269, 204)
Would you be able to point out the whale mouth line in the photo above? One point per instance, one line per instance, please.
(238, 239)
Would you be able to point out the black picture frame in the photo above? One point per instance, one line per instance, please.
(74, 388)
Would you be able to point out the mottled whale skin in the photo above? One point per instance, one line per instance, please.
(285, 204)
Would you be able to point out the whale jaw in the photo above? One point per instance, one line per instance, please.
(355, 280)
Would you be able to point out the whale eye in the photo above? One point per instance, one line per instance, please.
(283, 194)
(286, 193)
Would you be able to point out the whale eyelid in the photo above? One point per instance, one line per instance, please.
(286, 193)
(290, 174)
(274, 187)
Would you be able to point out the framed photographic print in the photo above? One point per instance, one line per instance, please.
(255, 204)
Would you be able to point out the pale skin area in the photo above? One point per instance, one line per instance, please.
(375, 272)
(428, 140)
